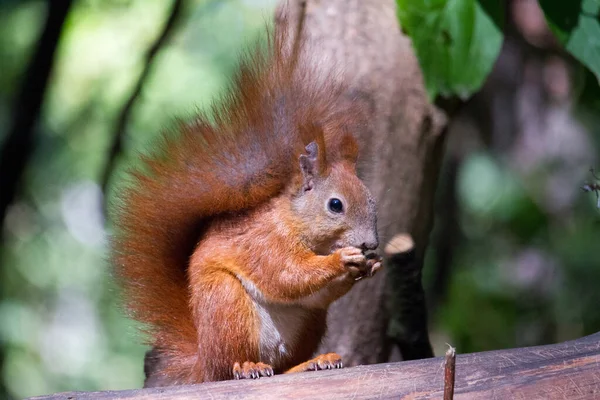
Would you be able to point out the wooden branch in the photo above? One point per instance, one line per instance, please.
(408, 325)
(408, 322)
(567, 370)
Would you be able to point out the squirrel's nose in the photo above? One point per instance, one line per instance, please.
(370, 245)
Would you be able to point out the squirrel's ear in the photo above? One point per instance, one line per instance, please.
(309, 165)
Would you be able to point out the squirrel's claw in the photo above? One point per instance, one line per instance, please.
(250, 370)
(358, 264)
(372, 268)
(328, 361)
(374, 265)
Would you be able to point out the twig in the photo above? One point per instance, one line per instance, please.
(125, 114)
(593, 187)
(449, 236)
(449, 372)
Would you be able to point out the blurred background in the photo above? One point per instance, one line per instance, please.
(512, 259)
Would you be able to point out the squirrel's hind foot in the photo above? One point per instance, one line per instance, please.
(250, 370)
(324, 361)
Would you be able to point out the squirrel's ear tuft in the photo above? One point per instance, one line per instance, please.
(309, 164)
(349, 148)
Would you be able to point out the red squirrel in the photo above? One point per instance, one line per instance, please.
(235, 235)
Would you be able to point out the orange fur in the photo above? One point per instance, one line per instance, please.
(210, 213)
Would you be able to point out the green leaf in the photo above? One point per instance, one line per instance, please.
(562, 16)
(576, 23)
(495, 10)
(456, 41)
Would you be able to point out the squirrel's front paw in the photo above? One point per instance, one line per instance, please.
(358, 264)
(374, 264)
(250, 370)
(353, 260)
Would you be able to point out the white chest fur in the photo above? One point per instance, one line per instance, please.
(280, 326)
(280, 330)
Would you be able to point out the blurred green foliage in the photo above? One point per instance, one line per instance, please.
(457, 41)
(60, 323)
(577, 25)
(521, 275)
(525, 266)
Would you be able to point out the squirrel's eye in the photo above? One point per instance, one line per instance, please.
(335, 205)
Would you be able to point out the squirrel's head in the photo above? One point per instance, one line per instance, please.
(335, 207)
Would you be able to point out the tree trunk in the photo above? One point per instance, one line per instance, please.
(402, 152)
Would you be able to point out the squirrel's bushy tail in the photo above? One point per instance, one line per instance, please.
(246, 156)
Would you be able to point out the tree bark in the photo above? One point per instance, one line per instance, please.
(402, 151)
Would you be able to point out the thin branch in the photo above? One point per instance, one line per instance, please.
(19, 143)
(126, 112)
(449, 373)
(449, 236)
